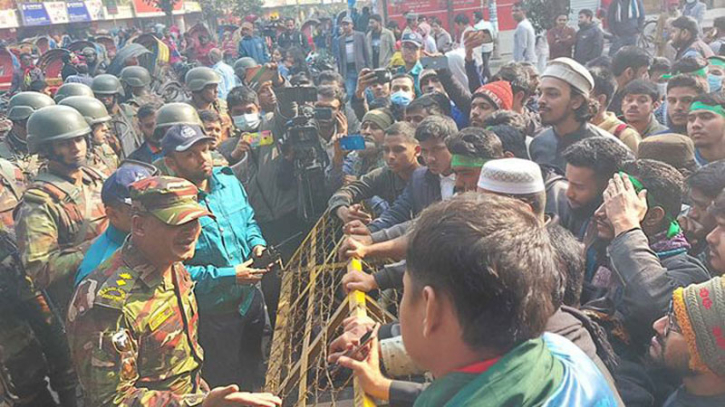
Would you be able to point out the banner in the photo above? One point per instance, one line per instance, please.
(77, 12)
(8, 19)
(146, 8)
(95, 10)
(34, 14)
(57, 12)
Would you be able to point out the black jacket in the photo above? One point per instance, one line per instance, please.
(589, 43)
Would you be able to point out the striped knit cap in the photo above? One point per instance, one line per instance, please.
(700, 311)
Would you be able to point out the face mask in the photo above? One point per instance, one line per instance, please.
(247, 122)
(400, 98)
(715, 82)
(662, 89)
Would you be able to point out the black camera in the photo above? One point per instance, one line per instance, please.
(300, 94)
(383, 75)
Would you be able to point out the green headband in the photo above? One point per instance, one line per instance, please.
(716, 62)
(701, 106)
(674, 228)
(458, 160)
(700, 72)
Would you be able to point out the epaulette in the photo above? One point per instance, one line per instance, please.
(94, 174)
(37, 195)
(115, 289)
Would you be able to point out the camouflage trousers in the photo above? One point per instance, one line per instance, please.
(33, 346)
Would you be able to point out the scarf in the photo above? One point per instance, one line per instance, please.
(665, 247)
(633, 12)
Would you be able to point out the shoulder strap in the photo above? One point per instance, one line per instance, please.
(57, 187)
(619, 129)
(115, 290)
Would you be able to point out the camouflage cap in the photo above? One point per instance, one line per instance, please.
(171, 200)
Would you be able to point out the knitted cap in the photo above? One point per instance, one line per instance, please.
(571, 72)
(700, 311)
(499, 93)
(380, 117)
(674, 149)
(513, 176)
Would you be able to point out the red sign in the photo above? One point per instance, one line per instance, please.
(439, 8)
(149, 7)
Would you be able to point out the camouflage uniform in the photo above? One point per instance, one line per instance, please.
(15, 150)
(220, 107)
(103, 159)
(133, 328)
(12, 184)
(124, 136)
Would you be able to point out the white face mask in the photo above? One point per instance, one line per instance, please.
(247, 122)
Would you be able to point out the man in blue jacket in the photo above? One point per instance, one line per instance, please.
(231, 307)
(252, 46)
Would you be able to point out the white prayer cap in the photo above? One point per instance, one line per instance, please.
(513, 176)
(571, 72)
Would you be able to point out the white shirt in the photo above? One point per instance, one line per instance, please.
(448, 184)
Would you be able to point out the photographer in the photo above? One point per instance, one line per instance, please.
(331, 129)
(371, 85)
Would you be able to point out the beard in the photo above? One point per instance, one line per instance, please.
(586, 211)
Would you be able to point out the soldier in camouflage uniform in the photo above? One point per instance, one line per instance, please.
(72, 89)
(101, 156)
(136, 82)
(107, 88)
(203, 82)
(132, 324)
(14, 147)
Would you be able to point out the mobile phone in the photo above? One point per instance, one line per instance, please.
(323, 113)
(353, 142)
(383, 75)
(440, 62)
(354, 352)
(259, 139)
(271, 260)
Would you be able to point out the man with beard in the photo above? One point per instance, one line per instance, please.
(682, 90)
(589, 39)
(231, 307)
(124, 140)
(689, 344)
(686, 39)
(488, 99)
(60, 214)
(702, 187)
(564, 105)
(706, 128)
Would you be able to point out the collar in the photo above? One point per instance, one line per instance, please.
(450, 177)
(115, 235)
(479, 367)
(417, 69)
(135, 260)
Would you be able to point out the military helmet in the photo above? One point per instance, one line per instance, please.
(177, 113)
(136, 76)
(106, 84)
(244, 63)
(92, 109)
(72, 89)
(22, 105)
(55, 123)
(199, 77)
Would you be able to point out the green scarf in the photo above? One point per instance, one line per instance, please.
(526, 376)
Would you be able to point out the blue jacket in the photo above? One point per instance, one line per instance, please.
(254, 47)
(101, 249)
(225, 241)
(424, 188)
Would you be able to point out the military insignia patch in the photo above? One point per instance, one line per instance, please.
(112, 293)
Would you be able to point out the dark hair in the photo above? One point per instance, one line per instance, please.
(719, 23)
(492, 258)
(38, 85)
(331, 76)
(710, 179)
(240, 95)
(377, 17)
(207, 116)
(686, 23)
(380, 103)
(660, 64)
(629, 57)
(402, 75)
(441, 100)
(520, 5)
(570, 256)
(588, 13)
(392, 25)
(508, 118)
(430, 105)
(641, 87)
(332, 92)
(604, 156)
(688, 65)
(603, 61)
(604, 83)
(436, 20)
(461, 19)
(515, 74)
(717, 208)
(438, 127)
(587, 109)
(662, 182)
(478, 15)
(512, 139)
(475, 142)
(147, 110)
(403, 129)
(685, 81)
(289, 19)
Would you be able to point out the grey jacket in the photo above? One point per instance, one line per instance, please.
(362, 56)
(387, 47)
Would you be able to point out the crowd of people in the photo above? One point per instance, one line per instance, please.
(558, 233)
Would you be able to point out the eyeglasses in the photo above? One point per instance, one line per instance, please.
(671, 322)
